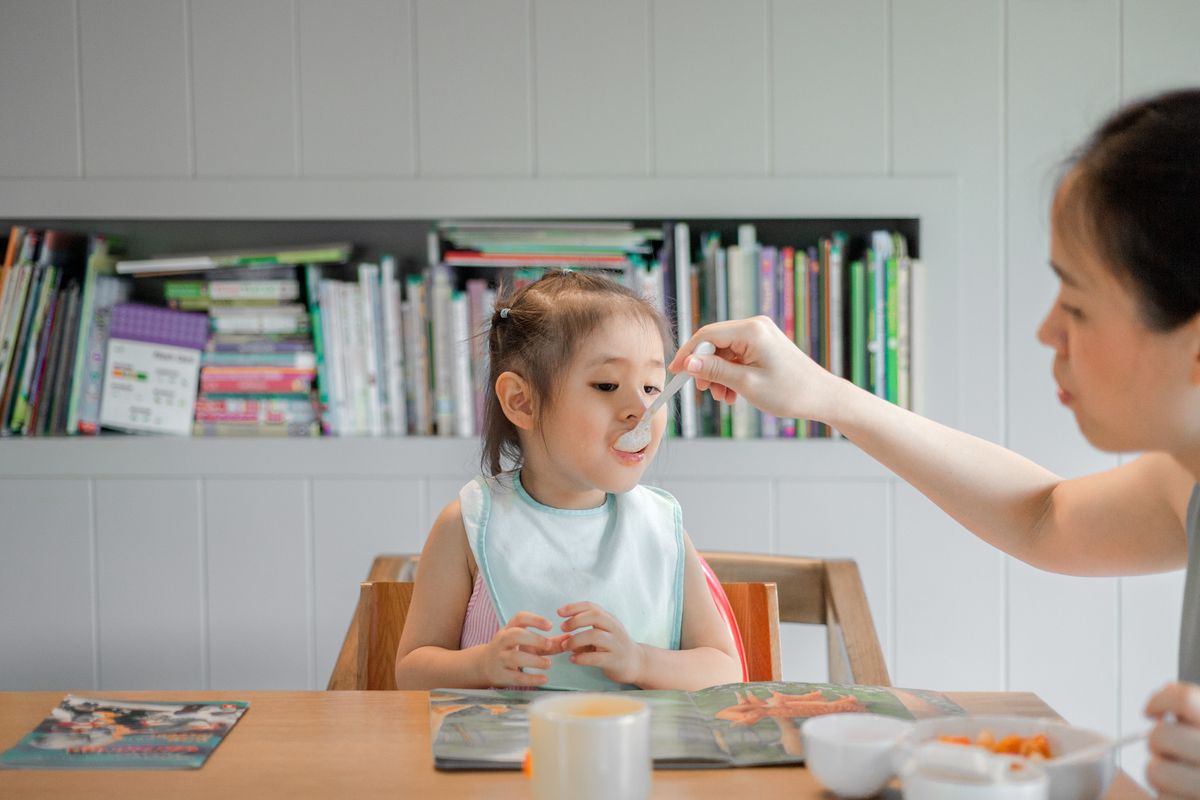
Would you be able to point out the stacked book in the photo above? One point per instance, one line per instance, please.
(258, 367)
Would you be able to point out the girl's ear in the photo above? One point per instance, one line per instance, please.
(516, 400)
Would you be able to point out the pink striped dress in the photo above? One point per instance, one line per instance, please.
(480, 623)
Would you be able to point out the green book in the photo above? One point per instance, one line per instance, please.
(800, 278)
(872, 344)
(858, 324)
(312, 285)
(891, 318)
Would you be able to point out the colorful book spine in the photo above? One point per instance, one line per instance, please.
(393, 347)
(768, 423)
(787, 275)
(858, 324)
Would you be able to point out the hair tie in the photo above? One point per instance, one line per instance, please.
(504, 313)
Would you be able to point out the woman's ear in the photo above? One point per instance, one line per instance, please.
(516, 400)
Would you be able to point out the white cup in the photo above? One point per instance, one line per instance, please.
(590, 746)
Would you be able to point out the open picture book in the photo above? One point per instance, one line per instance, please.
(733, 725)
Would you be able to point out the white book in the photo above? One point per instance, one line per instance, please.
(913, 338)
(356, 384)
(416, 342)
(881, 250)
(742, 303)
(369, 310)
(393, 361)
(837, 364)
(149, 387)
(443, 351)
(683, 322)
(334, 354)
(463, 386)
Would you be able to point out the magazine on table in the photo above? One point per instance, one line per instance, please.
(92, 733)
(733, 725)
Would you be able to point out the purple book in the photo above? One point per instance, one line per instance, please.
(142, 323)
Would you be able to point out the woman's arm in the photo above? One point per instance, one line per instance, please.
(1124, 521)
(428, 654)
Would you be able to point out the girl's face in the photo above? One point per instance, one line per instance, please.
(1131, 388)
(572, 460)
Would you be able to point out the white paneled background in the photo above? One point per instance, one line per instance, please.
(151, 564)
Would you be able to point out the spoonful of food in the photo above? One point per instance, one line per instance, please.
(634, 440)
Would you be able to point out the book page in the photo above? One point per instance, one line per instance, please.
(759, 723)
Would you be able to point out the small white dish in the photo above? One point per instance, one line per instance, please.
(1074, 779)
(851, 754)
(937, 771)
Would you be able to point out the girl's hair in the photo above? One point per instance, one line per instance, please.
(535, 332)
(1136, 184)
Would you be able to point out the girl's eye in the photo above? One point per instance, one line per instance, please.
(1072, 310)
(606, 387)
(651, 389)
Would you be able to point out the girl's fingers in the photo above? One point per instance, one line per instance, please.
(527, 619)
(594, 619)
(517, 659)
(595, 638)
(519, 637)
(514, 677)
(571, 609)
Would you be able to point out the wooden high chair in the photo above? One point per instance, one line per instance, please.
(383, 607)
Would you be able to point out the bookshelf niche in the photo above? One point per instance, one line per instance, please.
(407, 241)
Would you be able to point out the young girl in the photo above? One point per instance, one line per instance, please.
(562, 571)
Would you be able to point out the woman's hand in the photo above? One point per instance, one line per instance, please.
(514, 647)
(1174, 768)
(756, 360)
(606, 645)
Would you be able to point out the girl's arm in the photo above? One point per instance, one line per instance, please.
(1125, 521)
(428, 654)
(707, 655)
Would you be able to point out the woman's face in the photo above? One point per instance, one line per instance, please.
(1131, 388)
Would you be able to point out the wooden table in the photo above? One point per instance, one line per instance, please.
(376, 744)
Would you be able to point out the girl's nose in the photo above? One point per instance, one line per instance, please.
(1051, 332)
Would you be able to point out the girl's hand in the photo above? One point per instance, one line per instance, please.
(606, 645)
(1174, 768)
(514, 647)
(756, 360)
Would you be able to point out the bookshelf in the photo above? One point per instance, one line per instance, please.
(785, 211)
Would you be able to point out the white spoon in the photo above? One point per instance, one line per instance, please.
(634, 440)
(1091, 751)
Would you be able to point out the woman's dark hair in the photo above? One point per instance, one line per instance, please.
(535, 332)
(1135, 188)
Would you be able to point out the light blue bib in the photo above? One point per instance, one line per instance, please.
(625, 555)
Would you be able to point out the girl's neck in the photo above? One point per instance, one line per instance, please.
(558, 493)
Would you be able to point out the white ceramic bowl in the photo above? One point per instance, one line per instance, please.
(1078, 780)
(851, 754)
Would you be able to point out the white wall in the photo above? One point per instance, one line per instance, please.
(325, 108)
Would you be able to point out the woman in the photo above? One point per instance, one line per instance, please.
(1125, 330)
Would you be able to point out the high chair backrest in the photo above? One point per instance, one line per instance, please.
(383, 607)
(818, 591)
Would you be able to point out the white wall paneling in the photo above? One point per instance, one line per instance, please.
(137, 111)
(829, 62)
(39, 91)
(244, 127)
(47, 584)
(474, 96)
(711, 84)
(592, 109)
(357, 110)
(257, 557)
(150, 584)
